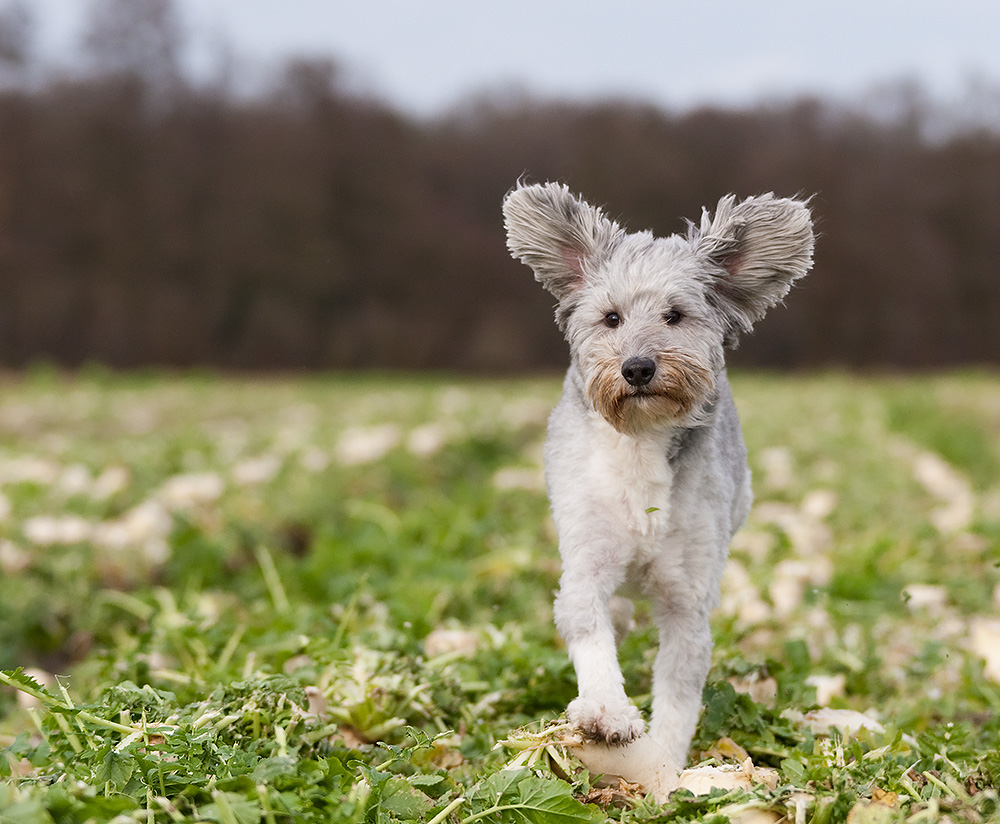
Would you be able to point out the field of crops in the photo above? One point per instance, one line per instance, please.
(329, 599)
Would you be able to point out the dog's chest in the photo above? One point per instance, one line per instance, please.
(635, 480)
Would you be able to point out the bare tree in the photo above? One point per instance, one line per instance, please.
(305, 224)
(16, 30)
(135, 40)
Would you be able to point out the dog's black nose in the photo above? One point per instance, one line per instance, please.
(638, 371)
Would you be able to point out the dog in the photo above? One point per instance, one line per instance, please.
(645, 464)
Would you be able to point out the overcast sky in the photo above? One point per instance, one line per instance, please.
(424, 55)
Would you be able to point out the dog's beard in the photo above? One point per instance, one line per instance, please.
(675, 396)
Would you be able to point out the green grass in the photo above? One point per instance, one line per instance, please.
(239, 583)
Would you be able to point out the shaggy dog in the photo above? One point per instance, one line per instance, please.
(645, 463)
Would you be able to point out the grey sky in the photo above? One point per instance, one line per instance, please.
(423, 56)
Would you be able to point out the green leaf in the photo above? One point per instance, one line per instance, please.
(17, 810)
(719, 699)
(403, 800)
(500, 784)
(25, 812)
(270, 768)
(794, 771)
(18, 679)
(543, 801)
(523, 797)
(116, 769)
(421, 780)
(230, 808)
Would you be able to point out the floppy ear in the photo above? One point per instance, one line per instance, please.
(558, 235)
(755, 250)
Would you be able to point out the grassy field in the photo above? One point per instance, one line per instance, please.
(329, 599)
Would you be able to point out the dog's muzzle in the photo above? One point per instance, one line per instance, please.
(640, 392)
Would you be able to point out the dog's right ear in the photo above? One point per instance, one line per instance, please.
(561, 237)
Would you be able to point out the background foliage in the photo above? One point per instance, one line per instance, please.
(149, 218)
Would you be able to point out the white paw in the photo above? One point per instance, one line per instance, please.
(613, 723)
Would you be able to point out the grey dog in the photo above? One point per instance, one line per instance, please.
(645, 463)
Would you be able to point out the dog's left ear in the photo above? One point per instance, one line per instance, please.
(755, 250)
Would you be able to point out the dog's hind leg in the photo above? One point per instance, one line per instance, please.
(622, 610)
(679, 674)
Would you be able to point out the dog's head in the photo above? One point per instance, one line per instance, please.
(648, 318)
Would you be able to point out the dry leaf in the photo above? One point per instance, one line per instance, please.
(763, 690)
(880, 810)
(754, 815)
(827, 687)
(984, 641)
(442, 641)
(702, 780)
(848, 722)
(726, 749)
(317, 702)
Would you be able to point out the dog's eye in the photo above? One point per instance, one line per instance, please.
(612, 319)
(672, 317)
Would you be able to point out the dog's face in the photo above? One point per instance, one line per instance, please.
(648, 318)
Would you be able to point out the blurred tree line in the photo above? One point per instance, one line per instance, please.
(146, 218)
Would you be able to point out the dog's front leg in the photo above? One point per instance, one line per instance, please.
(601, 711)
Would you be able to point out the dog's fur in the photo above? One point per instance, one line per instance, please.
(647, 476)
